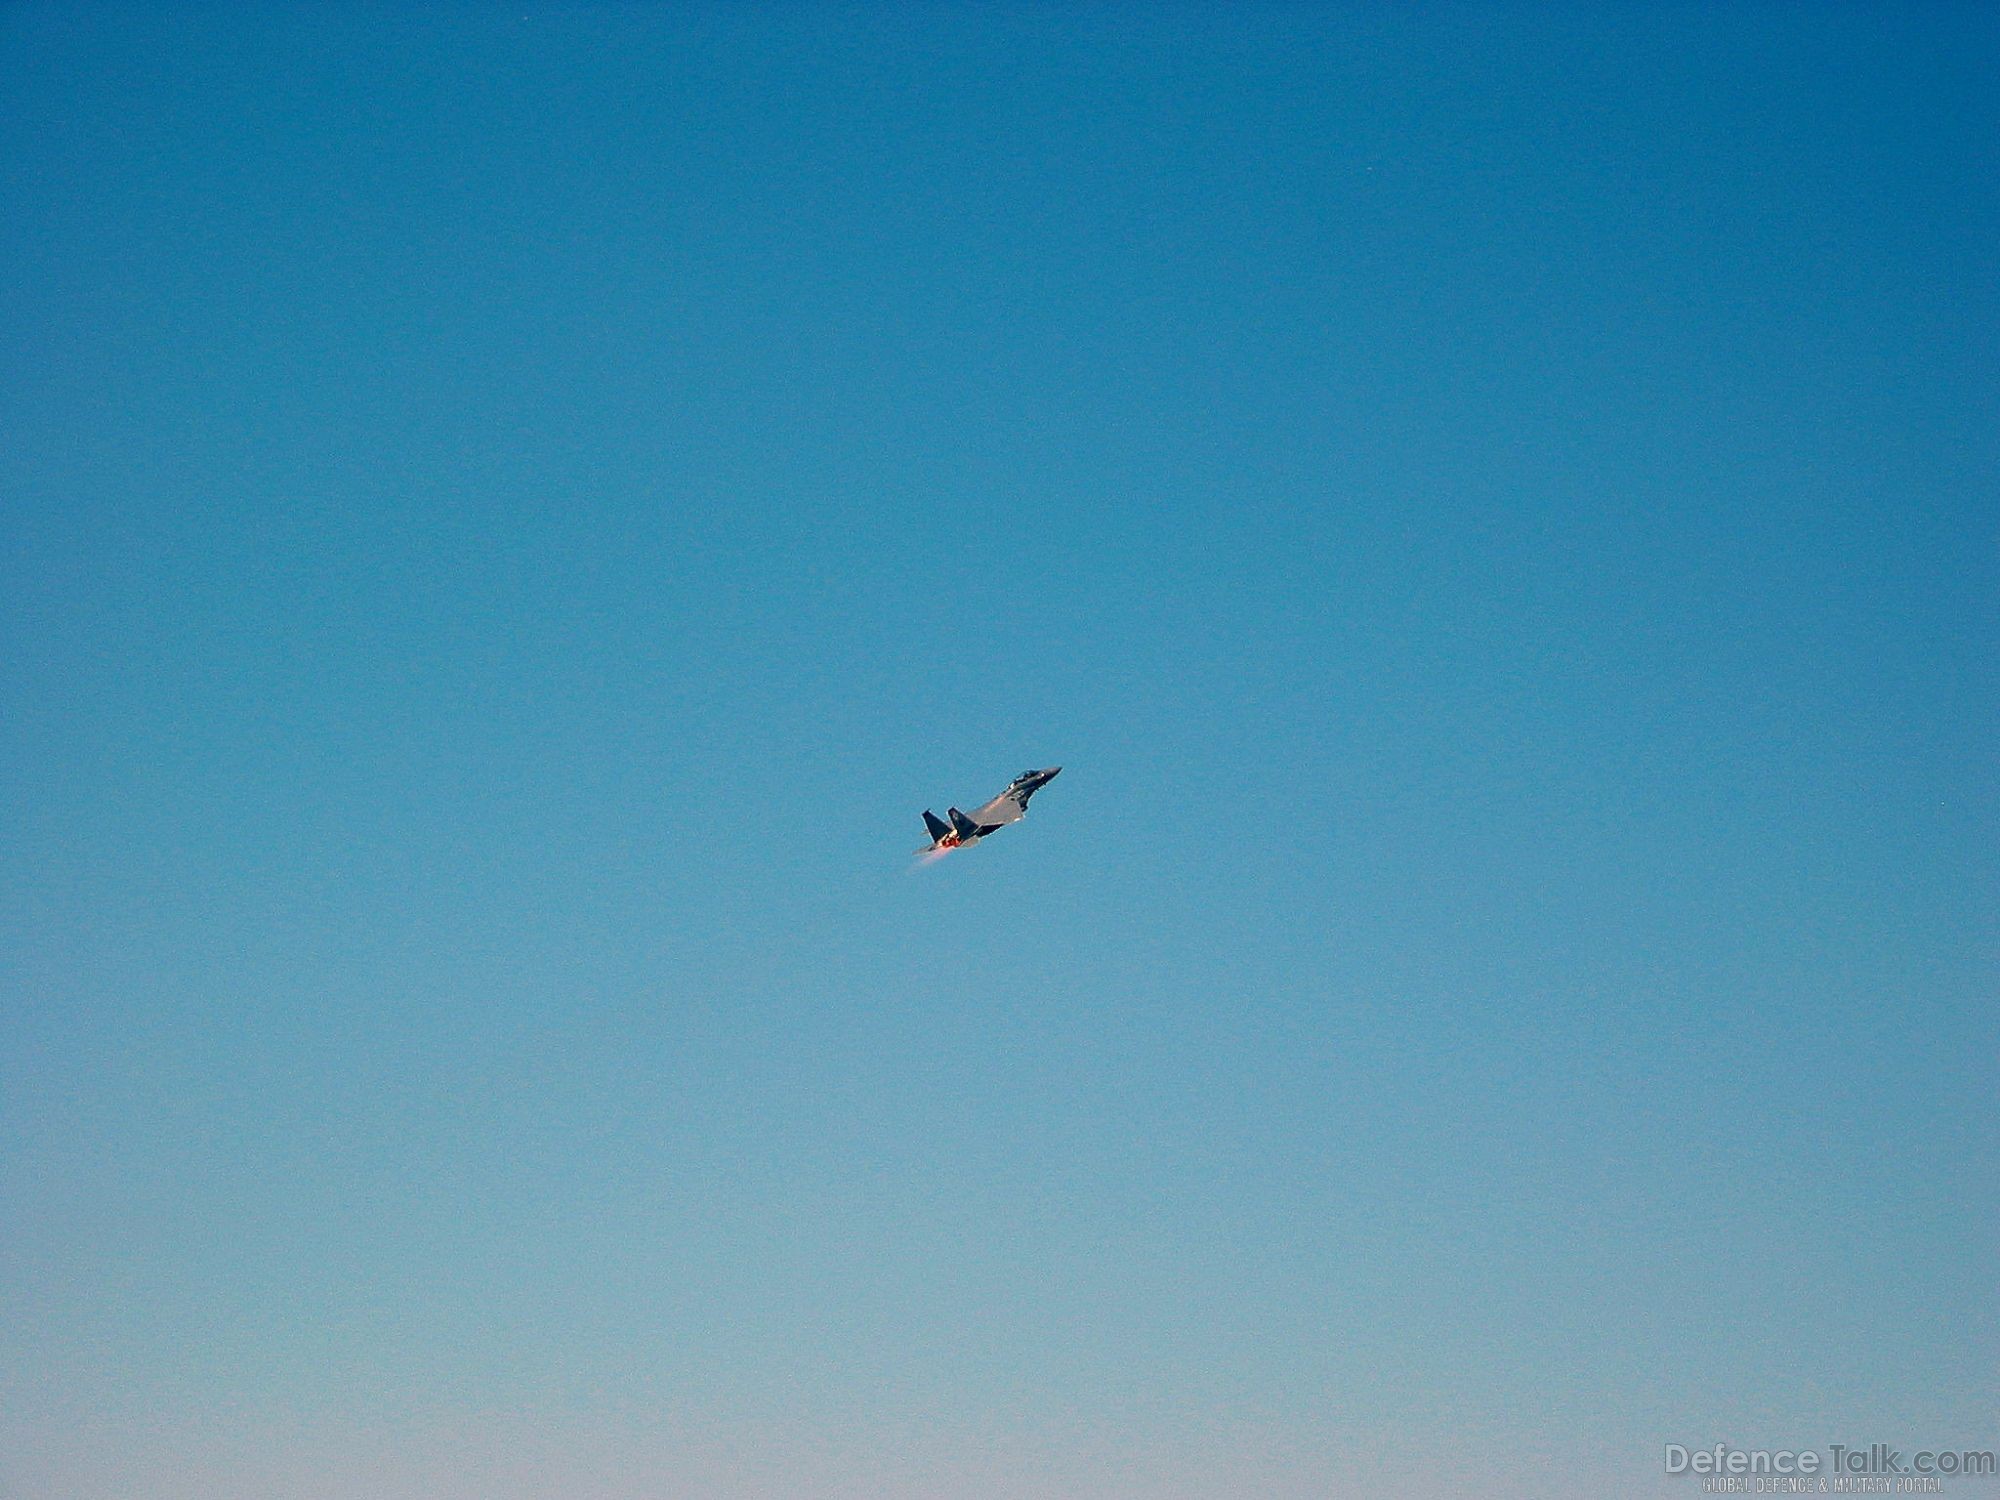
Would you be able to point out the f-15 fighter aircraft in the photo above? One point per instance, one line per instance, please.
(969, 828)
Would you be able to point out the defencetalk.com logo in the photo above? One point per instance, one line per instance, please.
(1876, 1469)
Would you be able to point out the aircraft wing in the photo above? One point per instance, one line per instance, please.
(1005, 808)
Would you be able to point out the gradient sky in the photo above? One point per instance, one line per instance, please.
(510, 513)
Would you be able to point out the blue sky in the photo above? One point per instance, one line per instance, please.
(509, 515)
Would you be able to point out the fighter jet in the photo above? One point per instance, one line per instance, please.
(969, 828)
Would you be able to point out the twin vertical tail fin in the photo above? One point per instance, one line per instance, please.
(961, 825)
(937, 826)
